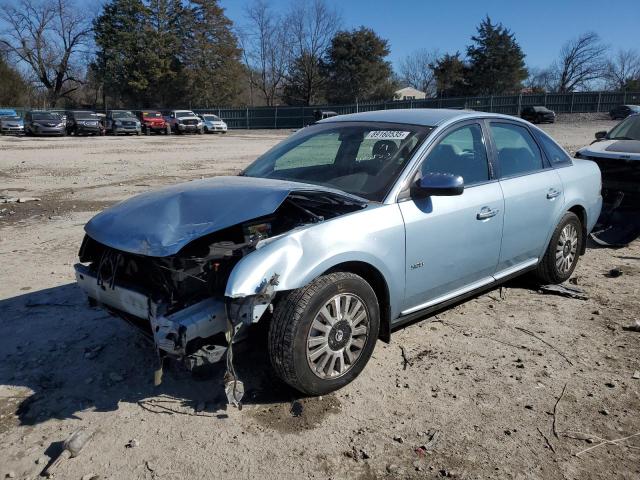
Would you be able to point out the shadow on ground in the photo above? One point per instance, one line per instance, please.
(66, 357)
(72, 358)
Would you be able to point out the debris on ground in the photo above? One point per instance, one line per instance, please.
(614, 273)
(18, 199)
(634, 327)
(133, 443)
(71, 448)
(563, 291)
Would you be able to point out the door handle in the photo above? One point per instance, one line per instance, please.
(553, 193)
(486, 212)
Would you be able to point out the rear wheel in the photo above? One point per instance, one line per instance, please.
(322, 335)
(562, 254)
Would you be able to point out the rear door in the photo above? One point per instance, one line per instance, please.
(453, 243)
(533, 196)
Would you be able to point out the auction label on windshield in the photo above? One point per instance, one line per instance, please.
(387, 135)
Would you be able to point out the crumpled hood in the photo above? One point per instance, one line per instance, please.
(161, 222)
(619, 149)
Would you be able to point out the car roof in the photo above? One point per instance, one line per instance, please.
(429, 117)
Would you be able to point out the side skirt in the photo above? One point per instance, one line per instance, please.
(414, 317)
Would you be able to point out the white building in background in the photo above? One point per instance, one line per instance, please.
(409, 93)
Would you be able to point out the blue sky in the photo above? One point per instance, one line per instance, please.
(541, 27)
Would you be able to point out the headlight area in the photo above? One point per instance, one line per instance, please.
(179, 301)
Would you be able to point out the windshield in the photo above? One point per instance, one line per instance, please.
(361, 158)
(211, 118)
(11, 117)
(540, 109)
(185, 113)
(628, 129)
(152, 114)
(121, 114)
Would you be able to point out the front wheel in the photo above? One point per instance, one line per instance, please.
(322, 335)
(562, 254)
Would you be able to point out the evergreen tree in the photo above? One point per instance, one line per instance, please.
(13, 88)
(212, 56)
(356, 69)
(305, 83)
(496, 61)
(450, 72)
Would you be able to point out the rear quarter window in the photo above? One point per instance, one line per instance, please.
(556, 155)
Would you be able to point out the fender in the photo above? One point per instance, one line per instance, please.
(296, 258)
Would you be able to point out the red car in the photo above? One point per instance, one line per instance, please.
(152, 121)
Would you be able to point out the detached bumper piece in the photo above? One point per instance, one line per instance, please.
(174, 334)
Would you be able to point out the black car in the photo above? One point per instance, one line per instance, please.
(44, 123)
(535, 114)
(623, 111)
(84, 122)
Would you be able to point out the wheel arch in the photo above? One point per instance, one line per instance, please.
(581, 213)
(378, 283)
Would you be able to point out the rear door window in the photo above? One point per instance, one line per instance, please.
(517, 151)
(556, 155)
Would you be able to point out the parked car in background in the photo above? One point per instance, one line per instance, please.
(617, 153)
(623, 111)
(123, 122)
(11, 124)
(184, 121)
(213, 123)
(347, 229)
(44, 123)
(153, 122)
(84, 122)
(538, 114)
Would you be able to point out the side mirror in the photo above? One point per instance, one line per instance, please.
(601, 135)
(437, 184)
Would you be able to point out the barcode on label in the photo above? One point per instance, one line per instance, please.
(387, 135)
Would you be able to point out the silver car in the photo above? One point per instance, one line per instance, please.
(213, 123)
(122, 122)
(11, 124)
(338, 235)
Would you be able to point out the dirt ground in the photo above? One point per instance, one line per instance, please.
(477, 393)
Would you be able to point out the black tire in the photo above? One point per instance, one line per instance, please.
(548, 270)
(291, 325)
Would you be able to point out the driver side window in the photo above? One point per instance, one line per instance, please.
(461, 152)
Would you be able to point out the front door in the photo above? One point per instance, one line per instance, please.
(453, 243)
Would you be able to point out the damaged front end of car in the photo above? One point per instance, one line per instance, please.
(183, 300)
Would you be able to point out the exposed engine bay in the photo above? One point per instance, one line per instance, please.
(179, 299)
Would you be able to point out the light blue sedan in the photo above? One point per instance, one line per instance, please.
(346, 230)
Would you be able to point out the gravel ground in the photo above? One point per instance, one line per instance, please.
(476, 393)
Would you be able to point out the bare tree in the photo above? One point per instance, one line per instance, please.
(582, 61)
(622, 69)
(416, 71)
(267, 47)
(540, 79)
(48, 37)
(312, 25)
